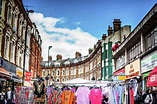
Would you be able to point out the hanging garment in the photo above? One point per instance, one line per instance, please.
(131, 96)
(48, 91)
(55, 97)
(68, 97)
(96, 96)
(39, 88)
(82, 94)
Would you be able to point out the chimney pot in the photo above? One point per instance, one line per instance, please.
(104, 36)
(59, 57)
(116, 24)
(77, 54)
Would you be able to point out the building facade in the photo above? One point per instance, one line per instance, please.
(86, 67)
(15, 35)
(35, 52)
(138, 51)
(109, 44)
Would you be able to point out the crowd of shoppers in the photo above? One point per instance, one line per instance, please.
(6, 97)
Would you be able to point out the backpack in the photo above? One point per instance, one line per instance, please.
(143, 97)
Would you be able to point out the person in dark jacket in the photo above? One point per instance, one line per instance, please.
(9, 95)
(2, 97)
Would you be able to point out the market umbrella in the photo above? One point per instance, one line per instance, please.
(152, 78)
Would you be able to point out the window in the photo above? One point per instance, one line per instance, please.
(134, 52)
(53, 73)
(12, 51)
(6, 46)
(63, 80)
(43, 73)
(0, 7)
(9, 15)
(63, 72)
(15, 22)
(151, 39)
(57, 80)
(20, 59)
(58, 73)
(67, 72)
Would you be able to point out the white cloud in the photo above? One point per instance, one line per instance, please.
(64, 41)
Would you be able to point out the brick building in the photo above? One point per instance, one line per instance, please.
(85, 67)
(15, 38)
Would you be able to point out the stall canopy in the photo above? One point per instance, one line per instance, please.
(152, 78)
(76, 81)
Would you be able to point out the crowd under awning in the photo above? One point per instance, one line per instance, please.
(152, 78)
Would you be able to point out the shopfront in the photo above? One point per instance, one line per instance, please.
(148, 63)
(7, 72)
(119, 75)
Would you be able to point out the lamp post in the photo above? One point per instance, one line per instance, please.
(48, 76)
(24, 58)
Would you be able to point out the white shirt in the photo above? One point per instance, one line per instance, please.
(148, 97)
(9, 94)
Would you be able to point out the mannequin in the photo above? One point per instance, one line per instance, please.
(39, 88)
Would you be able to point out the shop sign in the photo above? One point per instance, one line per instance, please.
(120, 74)
(28, 76)
(8, 66)
(149, 62)
(19, 73)
(132, 69)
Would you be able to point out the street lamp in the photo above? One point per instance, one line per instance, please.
(48, 63)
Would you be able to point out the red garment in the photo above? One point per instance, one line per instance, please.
(96, 96)
(131, 96)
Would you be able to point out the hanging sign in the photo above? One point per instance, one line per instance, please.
(28, 76)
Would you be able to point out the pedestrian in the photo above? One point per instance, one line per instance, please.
(149, 97)
(9, 96)
(2, 97)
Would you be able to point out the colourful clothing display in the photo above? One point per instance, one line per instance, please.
(95, 96)
(68, 97)
(55, 97)
(82, 94)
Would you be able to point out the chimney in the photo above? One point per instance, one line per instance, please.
(90, 50)
(110, 30)
(50, 58)
(59, 57)
(116, 24)
(104, 36)
(77, 54)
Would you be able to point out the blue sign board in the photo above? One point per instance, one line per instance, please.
(7, 66)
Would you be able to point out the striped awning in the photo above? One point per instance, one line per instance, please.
(4, 72)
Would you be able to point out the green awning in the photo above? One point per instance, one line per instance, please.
(146, 74)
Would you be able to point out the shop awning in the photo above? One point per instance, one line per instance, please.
(152, 78)
(4, 73)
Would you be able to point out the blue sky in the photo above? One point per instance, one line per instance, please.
(70, 21)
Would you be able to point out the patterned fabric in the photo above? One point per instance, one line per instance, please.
(48, 91)
(82, 94)
(56, 97)
(95, 96)
(68, 97)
